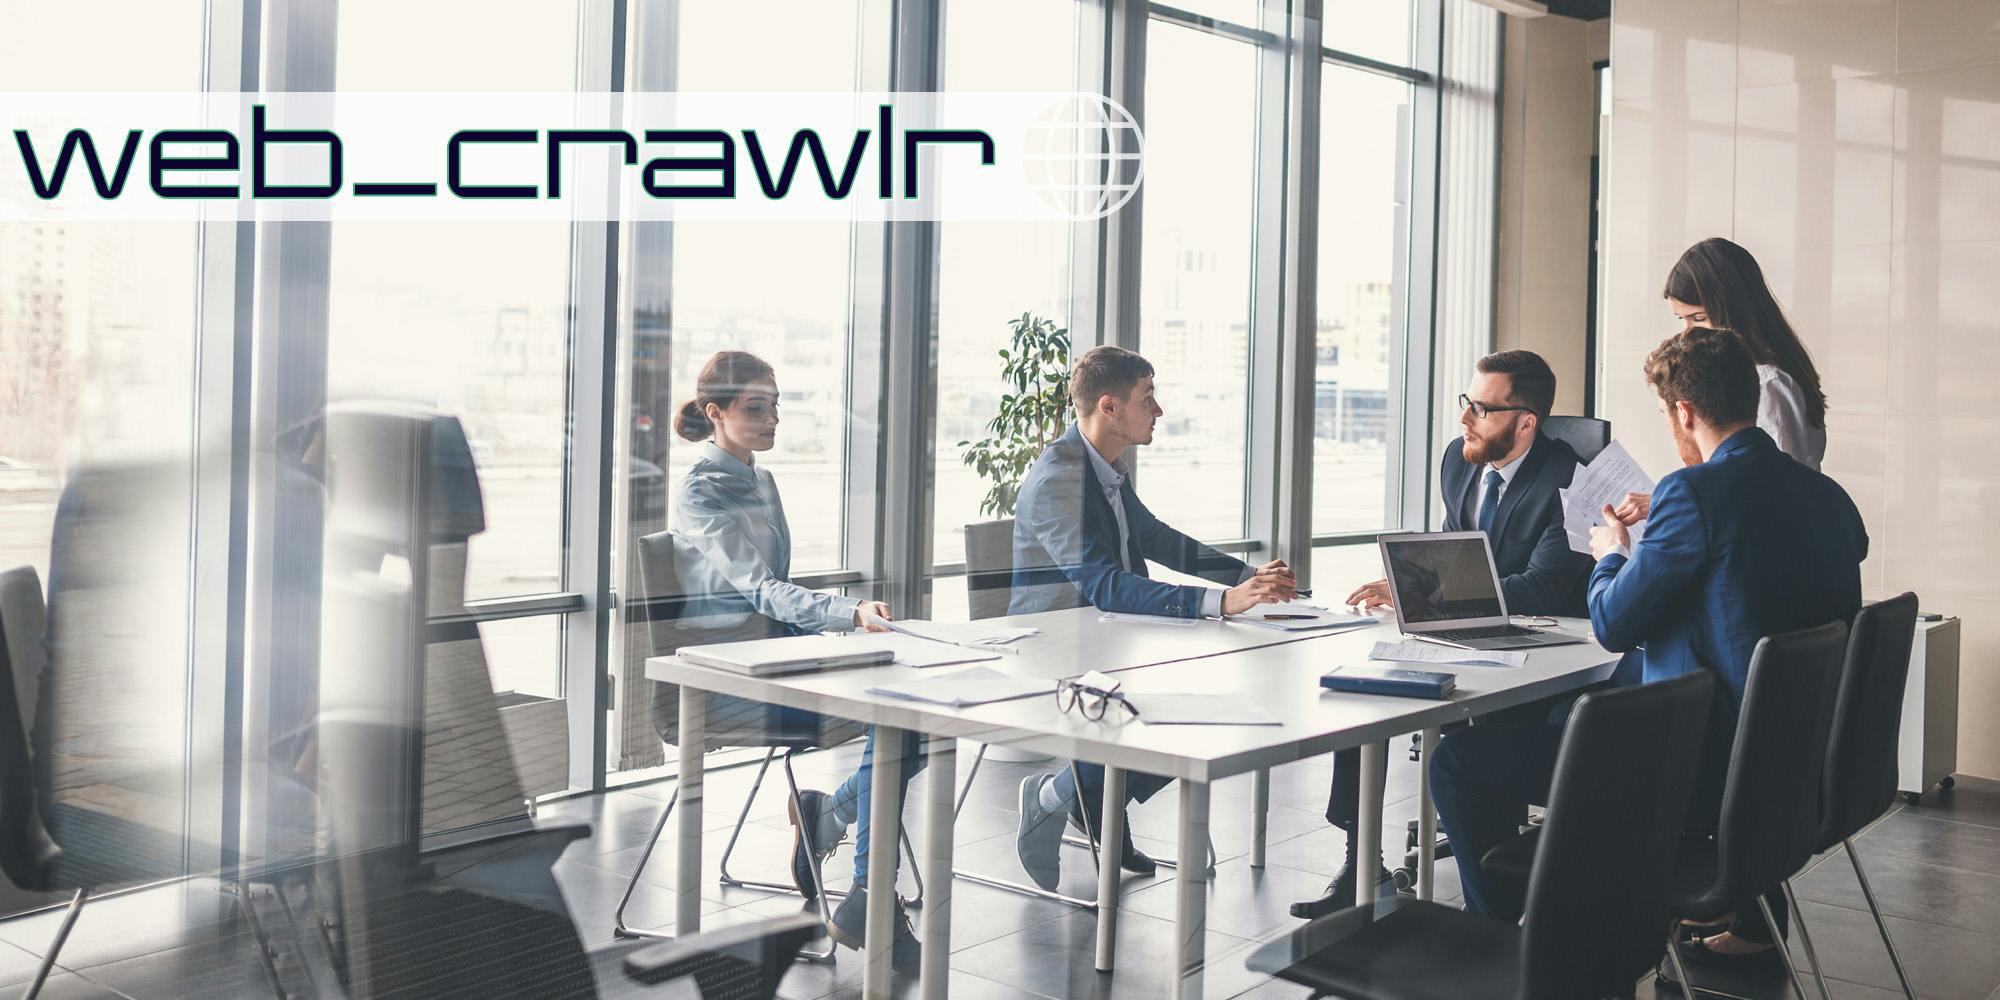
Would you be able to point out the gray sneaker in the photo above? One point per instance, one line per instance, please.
(1039, 842)
(816, 832)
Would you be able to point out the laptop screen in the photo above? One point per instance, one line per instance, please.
(1442, 579)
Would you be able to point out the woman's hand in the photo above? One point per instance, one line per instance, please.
(871, 615)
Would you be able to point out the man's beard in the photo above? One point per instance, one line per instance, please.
(1489, 448)
(1684, 443)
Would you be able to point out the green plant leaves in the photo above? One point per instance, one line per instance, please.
(1036, 365)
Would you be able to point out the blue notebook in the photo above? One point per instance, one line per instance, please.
(1390, 680)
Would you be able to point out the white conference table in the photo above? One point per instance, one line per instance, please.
(1279, 671)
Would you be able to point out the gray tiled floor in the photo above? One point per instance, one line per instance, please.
(1935, 867)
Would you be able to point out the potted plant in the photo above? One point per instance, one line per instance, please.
(1033, 414)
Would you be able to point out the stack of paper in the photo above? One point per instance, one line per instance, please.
(976, 686)
(1604, 482)
(1134, 619)
(1207, 709)
(1296, 616)
(974, 634)
(1418, 652)
(912, 651)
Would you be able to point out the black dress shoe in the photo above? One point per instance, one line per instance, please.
(1130, 858)
(1340, 893)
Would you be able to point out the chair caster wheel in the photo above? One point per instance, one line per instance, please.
(1913, 798)
(1405, 880)
(1945, 783)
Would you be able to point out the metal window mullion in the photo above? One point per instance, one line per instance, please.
(1376, 66)
(593, 373)
(1271, 398)
(909, 364)
(1414, 340)
(1119, 236)
(1214, 26)
(220, 477)
(285, 387)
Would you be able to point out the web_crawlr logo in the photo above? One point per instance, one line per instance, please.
(576, 156)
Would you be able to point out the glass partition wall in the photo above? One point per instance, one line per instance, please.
(259, 383)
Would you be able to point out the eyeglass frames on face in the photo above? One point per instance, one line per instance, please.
(1480, 410)
(1090, 702)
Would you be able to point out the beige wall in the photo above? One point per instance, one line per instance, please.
(1854, 147)
(1547, 131)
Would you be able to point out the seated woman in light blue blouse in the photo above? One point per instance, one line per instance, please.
(728, 508)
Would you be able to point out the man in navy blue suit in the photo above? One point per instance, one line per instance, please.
(1081, 537)
(1742, 543)
(1502, 476)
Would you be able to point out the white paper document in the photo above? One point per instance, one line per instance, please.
(1423, 652)
(975, 686)
(914, 651)
(1604, 482)
(962, 631)
(1209, 709)
(1120, 616)
(1297, 616)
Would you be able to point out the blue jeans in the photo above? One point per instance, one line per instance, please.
(852, 797)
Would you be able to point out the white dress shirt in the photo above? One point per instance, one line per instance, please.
(1781, 413)
(1111, 479)
(1506, 478)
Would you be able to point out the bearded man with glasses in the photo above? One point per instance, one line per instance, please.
(1501, 476)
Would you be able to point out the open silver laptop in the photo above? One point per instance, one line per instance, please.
(1446, 591)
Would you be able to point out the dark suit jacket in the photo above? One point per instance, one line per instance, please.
(1747, 544)
(1066, 544)
(1539, 573)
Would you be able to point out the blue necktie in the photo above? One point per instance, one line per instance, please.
(1491, 504)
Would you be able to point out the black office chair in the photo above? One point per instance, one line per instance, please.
(677, 619)
(1770, 797)
(1860, 775)
(744, 962)
(1587, 435)
(1597, 897)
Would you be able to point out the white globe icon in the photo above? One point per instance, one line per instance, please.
(1084, 156)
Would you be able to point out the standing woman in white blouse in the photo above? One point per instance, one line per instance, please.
(1717, 284)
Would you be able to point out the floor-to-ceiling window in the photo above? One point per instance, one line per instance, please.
(1197, 269)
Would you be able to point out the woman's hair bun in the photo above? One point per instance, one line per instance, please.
(691, 423)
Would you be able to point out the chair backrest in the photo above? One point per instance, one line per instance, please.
(27, 852)
(677, 618)
(26, 619)
(1618, 806)
(1867, 717)
(1588, 435)
(989, 567)
(1770, 795)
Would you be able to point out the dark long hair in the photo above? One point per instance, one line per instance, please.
(1725, 281)
(721, 380)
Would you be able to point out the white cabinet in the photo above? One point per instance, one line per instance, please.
(1928, 751)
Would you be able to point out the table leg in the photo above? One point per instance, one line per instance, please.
(1427, 821)
(1191, 890)
(1260, 814)
(1108, 883)
(1368, 819)
(939, 814)
(885, 816)
(687, 854)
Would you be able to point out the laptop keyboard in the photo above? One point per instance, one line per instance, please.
(1488, 632)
